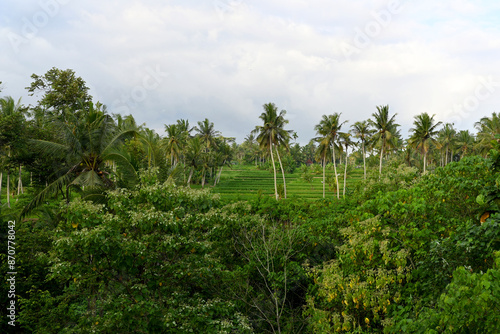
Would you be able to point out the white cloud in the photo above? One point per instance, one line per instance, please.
(225, 59)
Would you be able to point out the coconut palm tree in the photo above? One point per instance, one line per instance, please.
(465, 142)
(346, 141)
(323, 151)
(446, 138)
(194, 152)
(207, 133)
(362, 131)
(385, 129)
(174, 142)
(272, 134)
(487, 128)
(12, 116)
(88, 141)
(328, 130)
(424, 133)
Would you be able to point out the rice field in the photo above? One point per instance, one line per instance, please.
(245, 182)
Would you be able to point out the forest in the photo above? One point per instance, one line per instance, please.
(108, 227)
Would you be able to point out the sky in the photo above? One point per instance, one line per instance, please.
(163, 60)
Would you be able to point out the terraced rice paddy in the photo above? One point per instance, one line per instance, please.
(246, 182)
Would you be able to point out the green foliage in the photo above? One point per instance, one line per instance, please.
(471, 304)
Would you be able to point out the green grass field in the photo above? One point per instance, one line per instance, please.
(245, 182)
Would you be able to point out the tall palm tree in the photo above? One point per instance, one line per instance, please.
(87, 141)
(424, 133)
(345, 140)
(323, 151)
(465, 142)
(194, 152)
(272, 134)
(446, 138)
(207, 133)
(385, 129)
(362, 131)
(174, 142)
(328, 130)
(487, 128)
(13, 112)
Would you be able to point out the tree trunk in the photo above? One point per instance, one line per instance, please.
(20, 183)
(8, 189)
(274, 167)
(446, 159)
(345, 172)
(282, 171)
(324, 164)
(380, 167)
(364, 158)
(190, 176)
(1, 177)
(425, 160)
(336, 176)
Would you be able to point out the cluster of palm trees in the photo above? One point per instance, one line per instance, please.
(99, 151)
(206, 150)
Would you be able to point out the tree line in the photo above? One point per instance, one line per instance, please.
(68, 142)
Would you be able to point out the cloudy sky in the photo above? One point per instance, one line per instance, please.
(223, 59)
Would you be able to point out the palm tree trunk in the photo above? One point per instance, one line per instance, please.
(345, 172)
(364, 158)
(380, 167)
(274, 167)
(324, 181)
(8, 189)
(446, 159)
(20, 183)
(336, 176)
(1, 176)
(189, 178)
(425, 160)
(282, 171)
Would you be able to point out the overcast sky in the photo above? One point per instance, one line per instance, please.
(223, 59)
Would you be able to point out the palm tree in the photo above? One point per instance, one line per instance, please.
(174, 142)
(328, 129)
(362, 131)
(384, 128)
(194, 152)
(272, 133)
(487, 128)
(87, 141)
(323, 151)
(207, 133)
(424, 133)
(465, 142)
(345, 140)
(446, 137)
(14, 113)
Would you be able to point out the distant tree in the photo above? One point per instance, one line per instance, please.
(487, 128)
(328, 130)
(61, 89)
(465, 142)
(446, 138)
(12, 138)
(424, 133)
(272, 134)
(346, 141)
(385, 128)
(362, 131)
